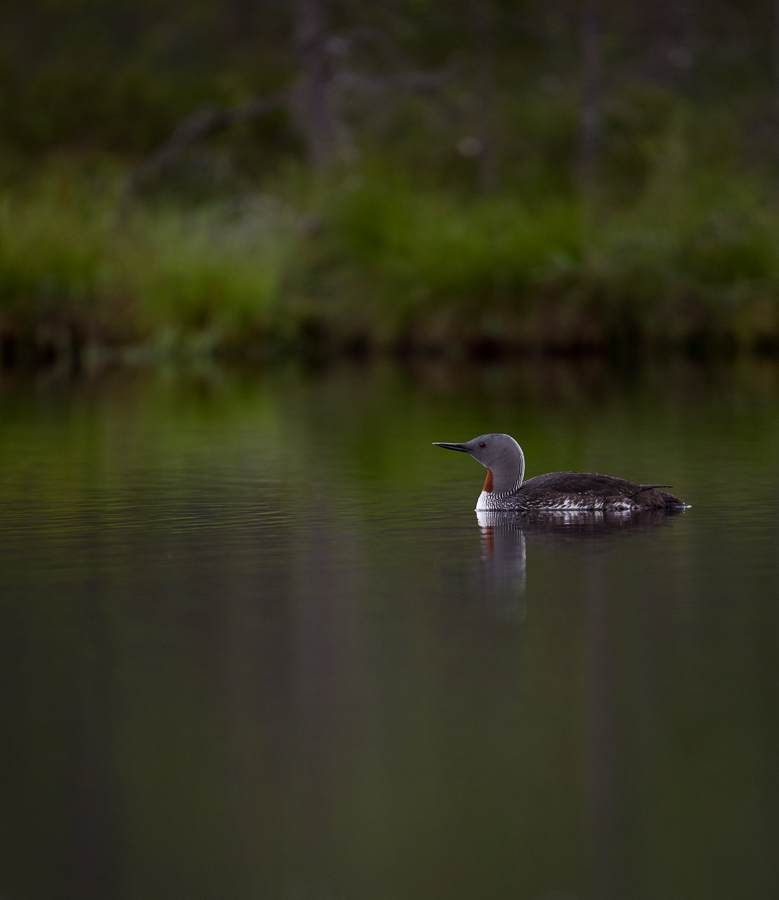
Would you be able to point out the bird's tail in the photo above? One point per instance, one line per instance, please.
(664, 499)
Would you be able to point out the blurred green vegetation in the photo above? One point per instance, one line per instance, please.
(372, 260)
(448, 221)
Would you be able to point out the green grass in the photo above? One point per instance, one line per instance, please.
(71, 256)
(691, 260)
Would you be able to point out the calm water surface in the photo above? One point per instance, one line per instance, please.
(254, 642)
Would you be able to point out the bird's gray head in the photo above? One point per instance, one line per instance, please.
(501, 454)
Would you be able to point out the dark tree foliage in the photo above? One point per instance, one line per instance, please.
(486, 87)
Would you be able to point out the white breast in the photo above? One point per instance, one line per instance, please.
(486, 502)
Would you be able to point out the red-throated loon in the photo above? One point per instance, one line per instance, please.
(504, 489)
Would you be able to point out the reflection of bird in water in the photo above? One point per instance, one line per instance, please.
(504, 489)
(503, 558)
(572, 524)
(504, 555)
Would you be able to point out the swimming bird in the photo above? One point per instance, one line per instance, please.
(504, 488)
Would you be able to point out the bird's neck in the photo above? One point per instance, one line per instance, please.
(506, 476)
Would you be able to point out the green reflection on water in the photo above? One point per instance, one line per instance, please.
(255, 644)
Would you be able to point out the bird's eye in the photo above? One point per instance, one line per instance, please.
(482, 444)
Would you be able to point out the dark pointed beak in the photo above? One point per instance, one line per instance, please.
(460, 447)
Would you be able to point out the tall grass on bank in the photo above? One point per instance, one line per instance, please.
(693, 261)
(375, 260)
(73, 266)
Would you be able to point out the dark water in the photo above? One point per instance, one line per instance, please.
(255, 644)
